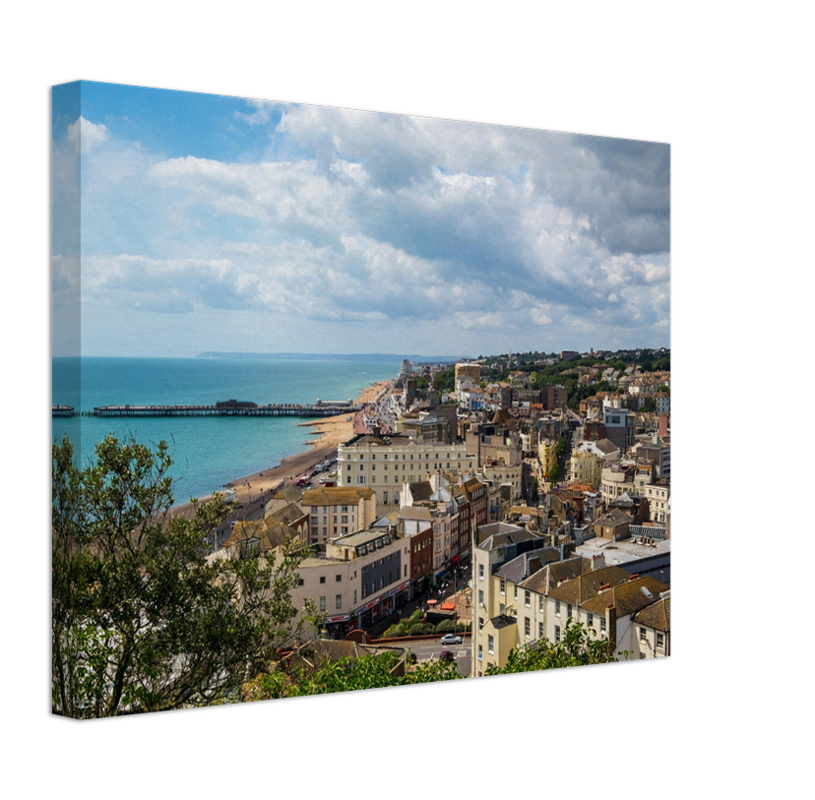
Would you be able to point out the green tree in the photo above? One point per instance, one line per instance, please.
(142, 618)
(445, 380)
(560, 449)
(578, 646)
(323, 676)
(663, 388)
(554, 474)
(650, 405)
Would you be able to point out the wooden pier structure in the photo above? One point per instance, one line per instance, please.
(228, 408)
(62, 411)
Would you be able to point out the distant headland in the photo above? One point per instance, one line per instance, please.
(335, 357)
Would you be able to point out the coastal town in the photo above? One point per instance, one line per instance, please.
(462, 511)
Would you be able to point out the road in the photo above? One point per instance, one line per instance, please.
(429, 649)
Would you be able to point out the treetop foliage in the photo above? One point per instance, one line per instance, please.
(143, 618)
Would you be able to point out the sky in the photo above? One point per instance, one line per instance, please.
(185, 222)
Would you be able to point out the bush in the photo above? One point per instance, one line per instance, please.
(417, 629)
(428, 628)
(394, 630)
(416, 616)
(448, 626)
(462, 627)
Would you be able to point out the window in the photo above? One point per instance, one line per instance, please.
(557, 633)
(569, 610)
(502, 608)
(660, 640)
(643, 635)
(527, 598)
(503, 589)
(642, 655)
(481, 623)
(490, 645)
(481, 572)
(480, 649)
(322, 604)
(540, 602)
(527, 627)
(481, 597)
(322, 578)
(540, 630)
(602, 624)
(590, 620)
(557, 608)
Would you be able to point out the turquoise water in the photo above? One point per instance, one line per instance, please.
(208, 451)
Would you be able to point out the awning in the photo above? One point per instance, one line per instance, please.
(448, 605)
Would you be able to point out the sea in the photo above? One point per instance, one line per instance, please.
(207, 452)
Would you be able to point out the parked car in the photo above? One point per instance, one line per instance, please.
(447, 655)
(451, 638)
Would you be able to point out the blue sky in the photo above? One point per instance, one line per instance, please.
(220, 223)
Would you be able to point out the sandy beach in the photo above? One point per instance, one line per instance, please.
(328, 433)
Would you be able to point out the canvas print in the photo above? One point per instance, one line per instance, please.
(349, 400)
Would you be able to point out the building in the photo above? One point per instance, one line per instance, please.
(658, 496)
(656, 452)
(556, 397)
(471, 371)
(652, 629)
(338, 510)
(493, 545)
(614, 525)
(547, 454)
(490, 443)
(355, 579)
(383, 464)
(619, 426)
(586, 467)
(605, 600)
(617, 479)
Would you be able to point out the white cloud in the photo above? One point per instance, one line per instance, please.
(85, 135)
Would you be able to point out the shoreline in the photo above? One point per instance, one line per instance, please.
(329, 433)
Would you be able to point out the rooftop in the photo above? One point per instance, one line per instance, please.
(621, 552)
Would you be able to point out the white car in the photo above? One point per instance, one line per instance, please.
(451, 638)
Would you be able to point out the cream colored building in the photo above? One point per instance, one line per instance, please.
(358, 570)
(338, 510)
(586, 467)
(500, 474)
(616, 480)
(658, 496)
(383, 464)
(493, 546)
(652, 629)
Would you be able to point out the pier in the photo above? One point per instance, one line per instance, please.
(62, 411)
(228, 408)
